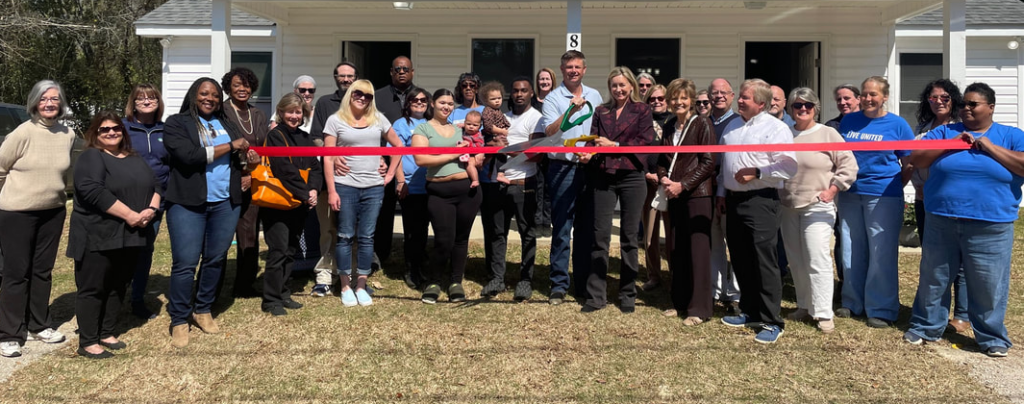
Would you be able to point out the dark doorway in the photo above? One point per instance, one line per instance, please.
(373, 58)
(658, 57)
(785, 64)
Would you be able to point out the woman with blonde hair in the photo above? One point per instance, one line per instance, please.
(361, 191)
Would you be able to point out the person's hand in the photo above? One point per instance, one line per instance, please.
(246, 183)
(335, 201)
(135, 219)
(672, 189)
(388, 178)
(462, 143)
(651, 178)
(827, 195)
(240, 144)
(720, 205)
(402, 189)
(585, 157)
(382, 168)
(147, 215)
(577, 104)
(982, 143)
(312, 198)
(745, 175)
(603, 142)
(252, 158)
(341, 168)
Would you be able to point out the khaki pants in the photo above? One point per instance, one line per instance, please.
(328, 239)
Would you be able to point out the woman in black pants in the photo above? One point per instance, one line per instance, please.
(622, 121)
(282, 228)
(115, 200)
(451, 203)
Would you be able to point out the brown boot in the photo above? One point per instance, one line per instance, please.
(179, 335)
(205, 323)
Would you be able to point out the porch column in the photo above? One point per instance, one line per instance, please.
(574, 25)
(220, 45)
(954, 41)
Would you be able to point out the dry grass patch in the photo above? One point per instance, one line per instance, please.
(496, 351)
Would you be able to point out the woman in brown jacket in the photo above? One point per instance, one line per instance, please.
(686, 179)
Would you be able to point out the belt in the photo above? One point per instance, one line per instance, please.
(763, 192)
(523, 182)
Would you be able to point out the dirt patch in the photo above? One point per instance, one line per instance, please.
(35, 350)
(1002, 375)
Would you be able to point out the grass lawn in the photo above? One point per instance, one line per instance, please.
(497, 351)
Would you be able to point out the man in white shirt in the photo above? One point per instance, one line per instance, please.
(748, 193)
(516, 198)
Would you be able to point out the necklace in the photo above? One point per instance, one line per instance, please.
(252, 126)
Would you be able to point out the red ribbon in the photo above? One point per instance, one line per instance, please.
(942, 144)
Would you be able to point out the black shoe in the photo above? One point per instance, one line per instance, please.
(456, 294)
(291, 304)
(493, 288)
(589, 309)
(523, 291)
(430, 294)
(732, 307)
(557, 297)
(878, 323)
(410, 282)
(627, 309)
(275, 310)
(115, 346)
(139, 310)
(103, 355)
(843, 312)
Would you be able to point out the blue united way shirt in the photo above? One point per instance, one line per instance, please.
(970, 183)
(879, 173)
(218, 173)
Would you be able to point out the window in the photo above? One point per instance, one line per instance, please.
(503, 59)
(658, 57)
(916, 71)
(262, 64)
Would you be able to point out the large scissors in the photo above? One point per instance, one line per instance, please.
(550, 141)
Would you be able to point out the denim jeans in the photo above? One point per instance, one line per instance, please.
(958, 296)
(564, 183)
(984, 250)
(869, 240)
(145, 262)
(357, 221)
(200, 236)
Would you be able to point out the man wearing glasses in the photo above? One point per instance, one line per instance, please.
(726, 288)
(390, 100)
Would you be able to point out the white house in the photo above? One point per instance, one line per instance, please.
(818, 43)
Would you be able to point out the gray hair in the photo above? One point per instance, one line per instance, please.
(806, 94)
(36, 94)
(647, 76)
(854, 89)
(303, 79)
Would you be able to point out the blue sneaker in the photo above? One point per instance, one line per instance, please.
(320, 290)
(912, 339)
(768, 334)
(997, 351)
(348, 298)
(363, 298)
(738, 320)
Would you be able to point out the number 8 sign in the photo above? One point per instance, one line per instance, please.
(572, 41)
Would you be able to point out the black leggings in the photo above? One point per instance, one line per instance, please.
(30, 241)
(102, 278)
(452, 207)
(281, 231)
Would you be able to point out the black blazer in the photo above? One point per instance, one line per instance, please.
(186, 184)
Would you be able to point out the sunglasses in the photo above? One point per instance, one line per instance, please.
(468, 85)
(656, 99)
(306, 90)
(703, 103)
(362, 95)
(939, 98)
(420, 100)
(401, 69)
(642, 85)
(106, 129)
(803, 105)
(974, 104)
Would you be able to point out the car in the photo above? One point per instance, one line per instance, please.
(12, 115)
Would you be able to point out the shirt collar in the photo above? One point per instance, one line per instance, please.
(725, 116)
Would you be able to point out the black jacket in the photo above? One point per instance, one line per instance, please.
(186, 184)
(287, 169)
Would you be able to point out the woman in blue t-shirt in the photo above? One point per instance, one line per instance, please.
(413, 194)
(972, 198)
(871, 211)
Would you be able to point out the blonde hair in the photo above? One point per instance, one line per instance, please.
(656, 87)
(289, 101)
(345, 111)
(762, 90)
(623, 71)
(881, 81)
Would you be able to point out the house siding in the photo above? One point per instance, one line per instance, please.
(188, 58)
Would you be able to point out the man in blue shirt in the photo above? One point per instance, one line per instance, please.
(726, 288)
(564, 181)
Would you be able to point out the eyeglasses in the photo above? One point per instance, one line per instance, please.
(362, 95)
(720, 93)
(803, 105)
(345, 76)
(143, 100)
(974, 104)
(306, 90)
(644, 85)
(937, 98)
(55, 100)
(419, 100)
(468, 85)
(703, 103)
(105, 129)
(401, 69)
(656, 99)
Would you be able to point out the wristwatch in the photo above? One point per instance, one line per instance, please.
(757, 172)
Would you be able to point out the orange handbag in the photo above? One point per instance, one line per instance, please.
(268, 191)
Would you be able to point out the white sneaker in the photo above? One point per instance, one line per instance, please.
(49, 336)
(10, 349)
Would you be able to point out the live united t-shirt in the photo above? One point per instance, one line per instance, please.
(970, 183)
(879, 173)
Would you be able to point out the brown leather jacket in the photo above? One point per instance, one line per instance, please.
(694, 170)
